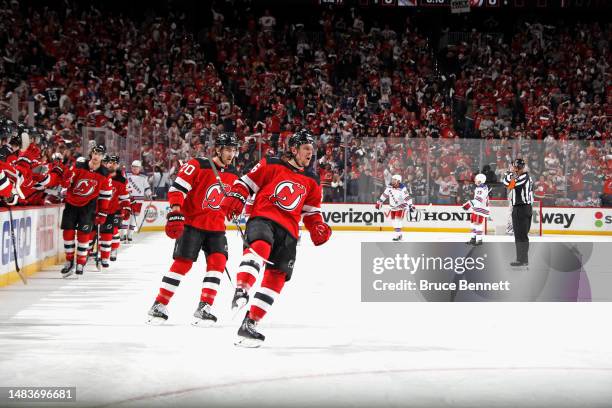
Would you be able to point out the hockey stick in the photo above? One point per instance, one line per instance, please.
(97, 243)
(14, 243)
(234, 219)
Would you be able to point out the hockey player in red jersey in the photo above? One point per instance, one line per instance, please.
(286, 191)
(118, 210)
(89, 188)
(197, 224)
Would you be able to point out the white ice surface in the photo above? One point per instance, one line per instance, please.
(324, 347)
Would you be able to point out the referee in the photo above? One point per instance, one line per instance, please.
(522, 198)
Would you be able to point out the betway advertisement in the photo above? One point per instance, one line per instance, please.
(430, 218)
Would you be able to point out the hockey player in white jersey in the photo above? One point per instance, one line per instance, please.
(140, 190)
(479, 209)
(399, 200)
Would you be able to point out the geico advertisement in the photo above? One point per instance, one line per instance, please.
(22, 233)
(36, 236)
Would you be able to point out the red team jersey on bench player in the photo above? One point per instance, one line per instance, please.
(284, 193)
(121, 197)
(87, 185)
(199, 195)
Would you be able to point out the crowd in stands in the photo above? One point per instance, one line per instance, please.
(381, 99)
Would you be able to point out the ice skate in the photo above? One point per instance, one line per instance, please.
(398, 238)
(113, 256)
(478, 242)
(203, 317)
(68, 269)
(248, 336)
(158, 314)
(104, 263)
(241, 298)
(79, 269)
(472, 241)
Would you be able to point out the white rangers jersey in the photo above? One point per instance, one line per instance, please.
(480, 203)
(399, 197)
(138, 186)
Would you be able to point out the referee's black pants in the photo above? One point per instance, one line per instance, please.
(521, 223)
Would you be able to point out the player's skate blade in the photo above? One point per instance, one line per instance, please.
(68, 269)
(248, 336)
(241, 298)
(158, 314)
(203, 317)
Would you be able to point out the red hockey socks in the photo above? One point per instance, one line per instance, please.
(215, 264)
(271, 286)
(105, 242)
(82, 247)
(172, 279)
(69, 244)
(251, 264)
(116, 238)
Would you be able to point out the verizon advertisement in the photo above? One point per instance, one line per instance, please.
(431, 218)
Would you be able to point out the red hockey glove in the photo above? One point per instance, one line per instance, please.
(232, 204)
(378, 205)
(100, 218)
(126, 212)
(467, 206)
(320, 233)
(175, 224)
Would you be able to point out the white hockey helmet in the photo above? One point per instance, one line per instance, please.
(480, 179)
(396, 177)
(136, 163)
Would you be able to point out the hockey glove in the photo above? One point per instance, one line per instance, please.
(126, 212)
(234, 202)
(320, 233)
(175, 224)
(411, 209)
(467, 206)
(378, 205)
(100, 218)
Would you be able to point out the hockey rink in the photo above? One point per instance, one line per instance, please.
(323, 348)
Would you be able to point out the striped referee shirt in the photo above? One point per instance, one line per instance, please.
(522, 186)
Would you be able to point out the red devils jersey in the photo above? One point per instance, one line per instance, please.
(87, 184)
(121, 197)
(284, 193)
(199, 195)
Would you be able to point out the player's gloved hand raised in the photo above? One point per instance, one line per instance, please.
(126, 212)
(411, 209)
(100, 218)
(467, 206)
(232, 204)
(175, 224)
(378, 205)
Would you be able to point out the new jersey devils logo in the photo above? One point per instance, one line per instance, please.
(213, 196)
(85, 187)
(287, 195)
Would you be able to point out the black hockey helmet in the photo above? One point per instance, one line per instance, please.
(99, 148)
(112, 158)
(300, 137)
(16, 140)
(518, 163)
(226, 139)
